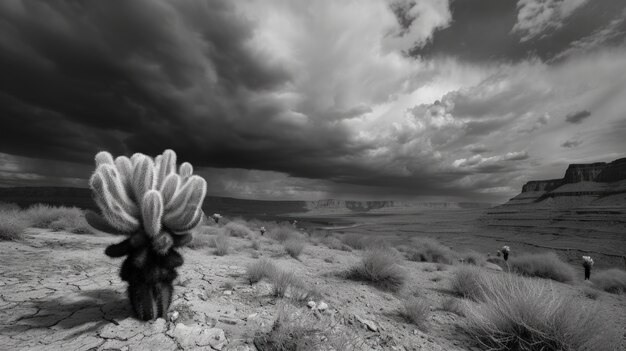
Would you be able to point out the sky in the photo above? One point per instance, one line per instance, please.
(445, 100)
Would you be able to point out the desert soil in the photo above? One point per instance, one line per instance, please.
(60, 292)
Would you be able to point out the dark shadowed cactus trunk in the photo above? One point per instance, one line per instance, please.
(157, 208)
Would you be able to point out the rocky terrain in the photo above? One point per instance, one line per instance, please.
(60, 292)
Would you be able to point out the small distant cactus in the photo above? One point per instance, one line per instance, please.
(216, 217)
(505, 252)
(262, 230)
(157, 207)
(587, 264)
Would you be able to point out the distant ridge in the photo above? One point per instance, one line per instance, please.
(81, 197)
(589, 197)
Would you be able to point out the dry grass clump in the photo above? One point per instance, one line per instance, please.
(297, 329)
(200, 241)
(71, 219)
(12, 223)
(356, 241)
(542, 265)
(335, 244)
(380, 267)
(430, 250)
(453, 305)
(466, 281)
(416, 311)
(294, 247)
(222, 245)
(282, 233)
(256, 244)
(262, 269)
(288, 284)
(516, 313)
(472, 257)
(611, 280)
(238, 230)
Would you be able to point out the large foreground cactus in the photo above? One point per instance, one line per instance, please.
(156, 206)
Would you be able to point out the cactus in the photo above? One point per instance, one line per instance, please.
(156, 208)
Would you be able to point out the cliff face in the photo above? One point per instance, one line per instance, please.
(601, 172)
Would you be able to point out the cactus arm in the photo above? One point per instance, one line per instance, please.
(184, 212)
(143, 176)
(118, 250)
(111, 209)
(162, 243)
(181, 240)
(152, 212)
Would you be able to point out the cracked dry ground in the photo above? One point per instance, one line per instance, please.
(58, 291)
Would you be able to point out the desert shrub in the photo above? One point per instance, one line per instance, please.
(261, 269)
(380, 267)
(281, 281)
(286, 283)
(440, 267)
(430, 250)
(591, 293)
(610, 280)
(294, 247)
(71, 219)
(255, 244)
(472, 257)
(334, 243)
(283, 233)
(516, 313)
(453, 305)
(416, 311)
(356, 241)
(200, 240)
(12, 224)
(237, 230)
(542, 265)
(222, 245)
(297, 329)
(8, 207)
(466, 281)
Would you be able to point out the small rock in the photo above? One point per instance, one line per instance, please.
(252, 316)
(194, 336)
(322, 306)
(228, 292)
(311, 304)
(369, 324)
(174, 316)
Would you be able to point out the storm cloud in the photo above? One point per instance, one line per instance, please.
(276, 99)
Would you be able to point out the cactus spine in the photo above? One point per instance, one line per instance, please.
(156, 207)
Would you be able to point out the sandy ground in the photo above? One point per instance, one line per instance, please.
(60, 292)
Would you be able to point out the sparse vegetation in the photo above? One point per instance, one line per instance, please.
(294, 247)
(201, 240)
(591, 293)
(610, 280)
(283, 232)
(380, 267)
(416, 311)
(453, 305)
(334, 243)
(262, 269)
(222, 245)
(256, 244)
(466, 281)
(516, 313)
(12, 224)
(542, 265)
(238, 230)
(355, 241)
(430, 250)
(472, 257)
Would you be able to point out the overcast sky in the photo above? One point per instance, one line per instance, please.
(433, 99)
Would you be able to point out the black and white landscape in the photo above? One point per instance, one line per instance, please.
(313, 175)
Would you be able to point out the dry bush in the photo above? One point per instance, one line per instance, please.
(12, 224)
(334, 243)
(381, 268)
(466, 281)
(453, 305)
(222, 245)
(294, 247)
(516, 313)
(356, 241)
(430, 250)
(256, 244)
(282, 281)
(284, 232)
(591, 293)
(261, 269)
(611, 280)
(299, 330)
(288, 284)
(472, 257)
(416, 311)
(71, 219)
(542, 265)
(200, 241)
(237, 230)
(8, 207)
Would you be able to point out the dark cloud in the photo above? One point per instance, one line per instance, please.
(571, 143)
(577, 117)
(483, 30)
